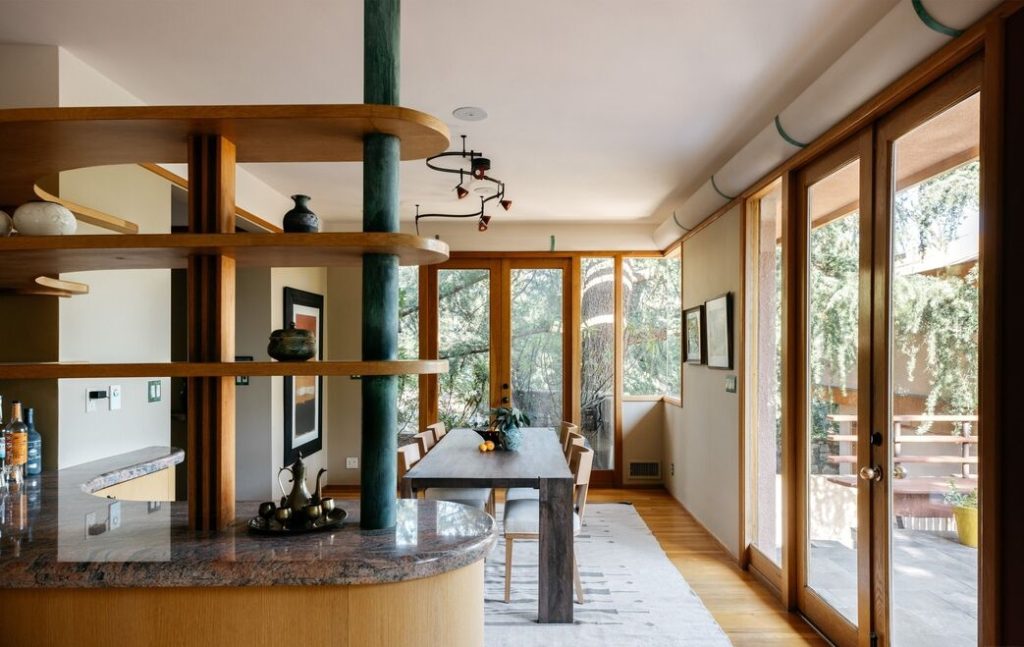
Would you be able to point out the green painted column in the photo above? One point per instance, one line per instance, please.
(380, 271)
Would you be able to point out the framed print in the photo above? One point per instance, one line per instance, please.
(303, 395)
(693, 324)
(718, 318)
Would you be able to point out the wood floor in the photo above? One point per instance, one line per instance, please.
(744, 607)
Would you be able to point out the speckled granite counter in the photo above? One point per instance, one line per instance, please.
(57, 535)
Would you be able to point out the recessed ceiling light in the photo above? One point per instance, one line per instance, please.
(470, 113)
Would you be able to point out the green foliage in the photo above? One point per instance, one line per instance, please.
(408, 348)
(652, 344)
(505, 418)
(958, 499)
(934, 310)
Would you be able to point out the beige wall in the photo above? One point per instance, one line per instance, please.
(643, 425)
(344, 321)
(702, 437)
(28, 76)
(254, 466)
(124, 318)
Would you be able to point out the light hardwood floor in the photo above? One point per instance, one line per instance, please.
(744, 607)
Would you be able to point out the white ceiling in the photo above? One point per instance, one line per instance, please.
(600, 110)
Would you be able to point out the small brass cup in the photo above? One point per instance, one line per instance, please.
(283, 515)
(312, 511)
(327, 505)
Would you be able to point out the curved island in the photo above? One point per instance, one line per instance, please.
(82, 569)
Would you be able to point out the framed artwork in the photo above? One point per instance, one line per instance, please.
(303, 395)
(718, 317)
(693, 324)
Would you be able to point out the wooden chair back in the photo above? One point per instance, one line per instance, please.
(575, 440)
(581, 463)
(426, 440)
(440, 431)
(563, 433)
(408, 455)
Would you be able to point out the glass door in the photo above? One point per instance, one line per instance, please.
(538, 339)
(831, 528)
(926, 414)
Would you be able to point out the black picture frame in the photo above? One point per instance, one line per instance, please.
(718, 322)
(304, 416)
(694, 317)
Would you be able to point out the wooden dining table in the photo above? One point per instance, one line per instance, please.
(456, 461)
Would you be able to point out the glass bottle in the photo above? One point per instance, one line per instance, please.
(34, 464)
(16, 440)
(3, 448)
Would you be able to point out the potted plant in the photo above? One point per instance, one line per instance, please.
(965, 511)
(508, 421)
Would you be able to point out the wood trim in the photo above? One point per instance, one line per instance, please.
(575, 340)
(240, 213)
(794, 264)
(620, 328)
(643, 398)
(769, 572)
(739, 365)
(427, 335)
(668, 399)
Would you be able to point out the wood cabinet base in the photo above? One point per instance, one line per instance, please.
(443, 611)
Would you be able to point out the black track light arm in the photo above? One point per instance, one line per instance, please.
(478, 168)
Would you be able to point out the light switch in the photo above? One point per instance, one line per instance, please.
(115, 397)
(352, 463)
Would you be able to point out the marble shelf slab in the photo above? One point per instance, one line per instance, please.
(57, 535)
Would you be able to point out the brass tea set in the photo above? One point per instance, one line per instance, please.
(298, 511)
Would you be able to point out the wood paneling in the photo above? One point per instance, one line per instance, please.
(70, 138)
(442, 611)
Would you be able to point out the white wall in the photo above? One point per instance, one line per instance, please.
(643, 426)
(702, 437)
(124, 318)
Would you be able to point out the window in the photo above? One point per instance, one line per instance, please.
(651, 294)
(408, 348)
(597, 358)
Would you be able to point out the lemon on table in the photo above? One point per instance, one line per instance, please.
(490, 445)
(483, 447)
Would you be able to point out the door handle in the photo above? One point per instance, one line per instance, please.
(873, 473)
(505, 386)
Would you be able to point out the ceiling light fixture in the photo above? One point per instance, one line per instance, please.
(478, 169)
(470, 113)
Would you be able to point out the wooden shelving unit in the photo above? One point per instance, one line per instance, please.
(55, 370)
(39, 143)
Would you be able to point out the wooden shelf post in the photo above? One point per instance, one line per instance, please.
(211, 328)
(381, 154)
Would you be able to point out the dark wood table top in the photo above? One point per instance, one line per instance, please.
(456, 461)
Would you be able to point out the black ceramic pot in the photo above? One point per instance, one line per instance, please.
(292, 344)
(300, 219)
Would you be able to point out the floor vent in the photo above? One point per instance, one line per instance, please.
(644, 470)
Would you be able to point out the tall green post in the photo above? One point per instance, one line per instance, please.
(380, 271)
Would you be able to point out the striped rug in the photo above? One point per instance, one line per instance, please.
(634, 595)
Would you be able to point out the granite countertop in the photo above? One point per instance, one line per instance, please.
(54, 533)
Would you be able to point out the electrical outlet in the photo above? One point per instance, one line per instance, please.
(154, 392)
(115, 397)
(730, 384)
(352, 463)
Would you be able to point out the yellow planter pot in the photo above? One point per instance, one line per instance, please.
(967, 525)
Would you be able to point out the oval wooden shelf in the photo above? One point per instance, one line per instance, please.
(27, 257)
(57, 370)
(39, 142)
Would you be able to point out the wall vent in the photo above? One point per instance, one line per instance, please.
(644, 470)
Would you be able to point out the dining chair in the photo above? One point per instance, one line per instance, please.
(572, 439)
(522, 517)
(409, 455)
(563, 433)
(426, 440)
(440, 431)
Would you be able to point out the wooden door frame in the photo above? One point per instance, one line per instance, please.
(946, 92)
(857, 147)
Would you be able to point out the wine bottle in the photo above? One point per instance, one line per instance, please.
(16, 439)
(34, 464)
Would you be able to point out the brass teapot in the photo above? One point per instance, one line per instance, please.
(299, 501)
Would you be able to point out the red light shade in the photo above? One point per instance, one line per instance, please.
(461, 192)
(505, 204)
(482, 224)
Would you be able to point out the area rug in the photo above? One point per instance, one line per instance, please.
(634, 595)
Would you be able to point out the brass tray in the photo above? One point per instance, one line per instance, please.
(261, 526)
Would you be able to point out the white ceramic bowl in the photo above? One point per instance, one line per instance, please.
(6, 224)
(44, 219)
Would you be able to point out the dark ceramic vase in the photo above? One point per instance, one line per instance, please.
(300, 219)
(292, 344)
(512, 438)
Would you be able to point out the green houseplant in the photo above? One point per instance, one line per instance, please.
(965, 511)
(508, 421)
